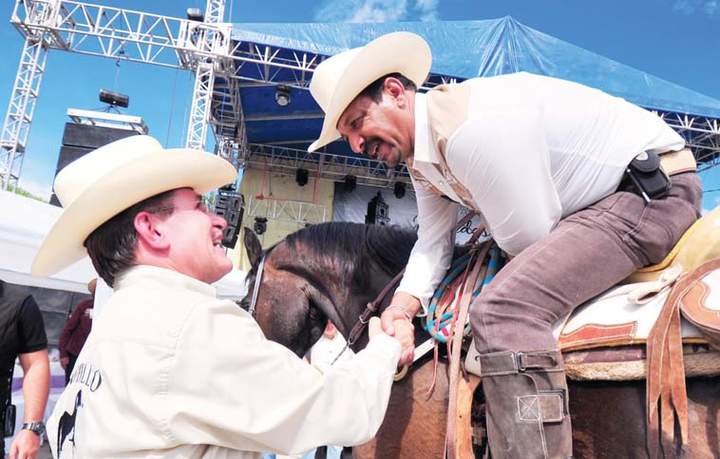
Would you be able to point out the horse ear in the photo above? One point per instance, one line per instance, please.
(252, 246)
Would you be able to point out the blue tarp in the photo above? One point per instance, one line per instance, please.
(466, 49)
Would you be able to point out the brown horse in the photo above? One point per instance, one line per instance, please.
(331, 271)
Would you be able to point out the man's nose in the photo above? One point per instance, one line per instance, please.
(357, 143)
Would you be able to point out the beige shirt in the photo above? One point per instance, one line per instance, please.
(529, 149)
(169, 371)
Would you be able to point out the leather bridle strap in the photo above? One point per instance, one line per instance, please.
(372, 308)
(256, 287)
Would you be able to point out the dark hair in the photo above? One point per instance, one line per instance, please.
(112, 245)
(374, 90)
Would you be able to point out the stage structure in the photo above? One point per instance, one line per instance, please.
(251, 79)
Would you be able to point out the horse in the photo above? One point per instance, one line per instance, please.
(331, 271)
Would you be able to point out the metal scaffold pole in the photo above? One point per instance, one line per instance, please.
(21, 108)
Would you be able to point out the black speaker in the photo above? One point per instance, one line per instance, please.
(80, 139)
(231, 206)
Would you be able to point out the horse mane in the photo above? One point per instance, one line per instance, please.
(352, 249)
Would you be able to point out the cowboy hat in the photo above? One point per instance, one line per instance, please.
(340, 78)
(112, 178)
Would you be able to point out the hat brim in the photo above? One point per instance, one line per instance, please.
(398, 52)
(120, 189)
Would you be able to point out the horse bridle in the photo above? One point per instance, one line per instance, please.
(256, 287)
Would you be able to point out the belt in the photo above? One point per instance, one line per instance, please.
(677, 162)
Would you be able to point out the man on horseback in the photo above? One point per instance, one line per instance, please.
(170, 370)
(579, 187)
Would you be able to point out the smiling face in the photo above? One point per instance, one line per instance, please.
(383, 129)
(194, 237)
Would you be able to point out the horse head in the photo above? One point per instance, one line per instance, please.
(325, 272)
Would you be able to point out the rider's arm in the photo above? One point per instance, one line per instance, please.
(503, 160)
(431, 256)
(241, 391)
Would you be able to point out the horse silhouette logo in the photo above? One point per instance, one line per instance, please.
(66, 425)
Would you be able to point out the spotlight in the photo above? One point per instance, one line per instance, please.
(260, 225)
(301, 176)
(350, 183)
(194, 14)
(282, 95)
(114, 98)
(399, 190)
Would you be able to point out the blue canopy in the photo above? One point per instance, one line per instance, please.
(466, 49)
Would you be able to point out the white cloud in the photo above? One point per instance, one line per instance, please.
(688, 7)
(377, 10)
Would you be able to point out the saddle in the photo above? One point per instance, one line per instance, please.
(606, 338)
(662, 324)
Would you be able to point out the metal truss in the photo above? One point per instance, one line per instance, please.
(701, 134)
(286, 161)
(200, 108)
(222, 65)
(21, 108)
(287, 210)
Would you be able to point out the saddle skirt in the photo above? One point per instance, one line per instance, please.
(604, 339)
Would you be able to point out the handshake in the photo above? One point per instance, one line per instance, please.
(395, 321)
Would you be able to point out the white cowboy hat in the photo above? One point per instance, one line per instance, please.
(340, 78)
(106, 181)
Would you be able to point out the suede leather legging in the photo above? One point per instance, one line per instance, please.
(586, 253)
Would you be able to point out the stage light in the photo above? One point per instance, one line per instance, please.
(399, 190)
(114, 98)
(194, 14)
(350, 181)
(301, 176)
(282, 95)
(260, 225)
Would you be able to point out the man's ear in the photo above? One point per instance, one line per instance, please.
(252, 247)
(394, 88)
(148, 231)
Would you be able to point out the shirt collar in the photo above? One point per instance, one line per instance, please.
(424, 148)
(166, 277)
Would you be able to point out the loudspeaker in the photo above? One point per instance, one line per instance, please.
(80, 139)
(231, 206)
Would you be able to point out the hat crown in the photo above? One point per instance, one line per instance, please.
(327, 76)
(77, 176)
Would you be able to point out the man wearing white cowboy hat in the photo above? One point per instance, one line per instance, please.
(169, 370)
(545, 162)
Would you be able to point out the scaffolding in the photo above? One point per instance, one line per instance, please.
(222, 67)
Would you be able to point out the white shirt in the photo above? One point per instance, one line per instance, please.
(169, 371)
(532, 150)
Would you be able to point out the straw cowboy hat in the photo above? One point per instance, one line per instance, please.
(106, 181)
(339, 79)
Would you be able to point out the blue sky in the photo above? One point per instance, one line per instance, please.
(676, 40)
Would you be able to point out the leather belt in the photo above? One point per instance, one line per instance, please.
(677, 162)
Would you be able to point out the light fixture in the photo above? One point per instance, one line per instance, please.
(301, 176)
(399, 190)
(194, 14)
(350, 181)
(260, 225)
(282, 95)
(114, 98)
